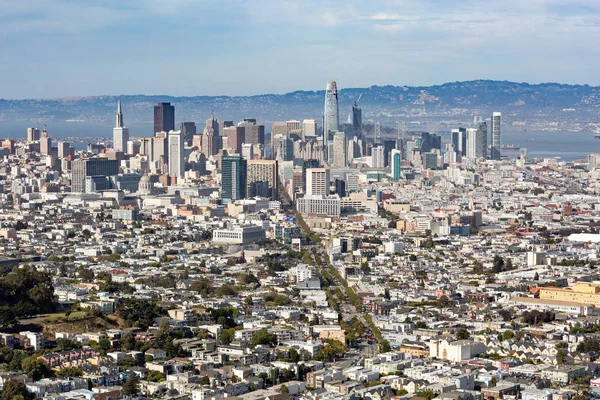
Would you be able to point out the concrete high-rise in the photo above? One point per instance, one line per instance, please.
(120, 133)
(188, 130)
(235, 138)
(33, 134)
(309, 128)
(332, 111)
(211, 141)
(496, 136)
(233, 178)
(482, 139)
(317, 181)
(262, 174)
(253, 133)
(340, 150)
(176, 154)
(45, 143)
(377, 157)
(476, 142)
(459, 138)
(164, 117)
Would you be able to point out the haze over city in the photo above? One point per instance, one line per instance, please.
(58, 48)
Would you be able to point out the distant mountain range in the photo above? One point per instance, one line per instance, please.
(456, 101)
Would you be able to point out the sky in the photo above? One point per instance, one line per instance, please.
(63, 48)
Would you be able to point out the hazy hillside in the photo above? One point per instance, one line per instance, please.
(457, 100)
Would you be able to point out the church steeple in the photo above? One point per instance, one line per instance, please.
(119, 115)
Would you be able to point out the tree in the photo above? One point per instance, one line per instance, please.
(498, 264)
(36, 369)
(155, 376)
(205, 380)
(284, 389)
(131, 387)
(507, 335)
(505, 314)
(15, 390)
(561, 355)
(536, 277)
(462, 334)
(426, 394)
(263, 336)
(412, 257)
(444, 302)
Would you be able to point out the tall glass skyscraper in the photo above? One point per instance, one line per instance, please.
(482, 135)
(332, 120)
(233, 178)
(396, 161)
(496, 135)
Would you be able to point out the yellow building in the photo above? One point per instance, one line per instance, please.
(585, 293)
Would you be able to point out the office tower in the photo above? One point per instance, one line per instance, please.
(340, 187)
(247, 152)
(331, 120)
(430, 160)
(235, 138)
(396, 164)
(91, 167)
(176, 155)
(120, 133)
(262, 178)
(425, 142)
(472, 145)
(33, 134)
(339, 150)
(133, 147)
(496, 136)
(223, 125)
(211, 141)
(286, 149)
(292, 126)
(159, 147)
(388, 146)
(188, 130)
(378, 157)
(45, 143)
(357, 120)
(233, 178)
(309, 129)
(164, 117)
(450, 155)
(354, 149)
(64, 149)
(482, 140)
(459, 138)
(317, 181)
(477, 119)
(436, 142)
(9, 144)
(253, 133)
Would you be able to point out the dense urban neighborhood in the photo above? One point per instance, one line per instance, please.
(318, 264)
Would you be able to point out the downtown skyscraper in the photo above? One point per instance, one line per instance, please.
(120, 133)
(496, 136)
(164, 117)
(332, 112)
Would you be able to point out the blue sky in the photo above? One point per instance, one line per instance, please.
(59, 48)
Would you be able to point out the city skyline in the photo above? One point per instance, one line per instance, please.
(421, 43)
